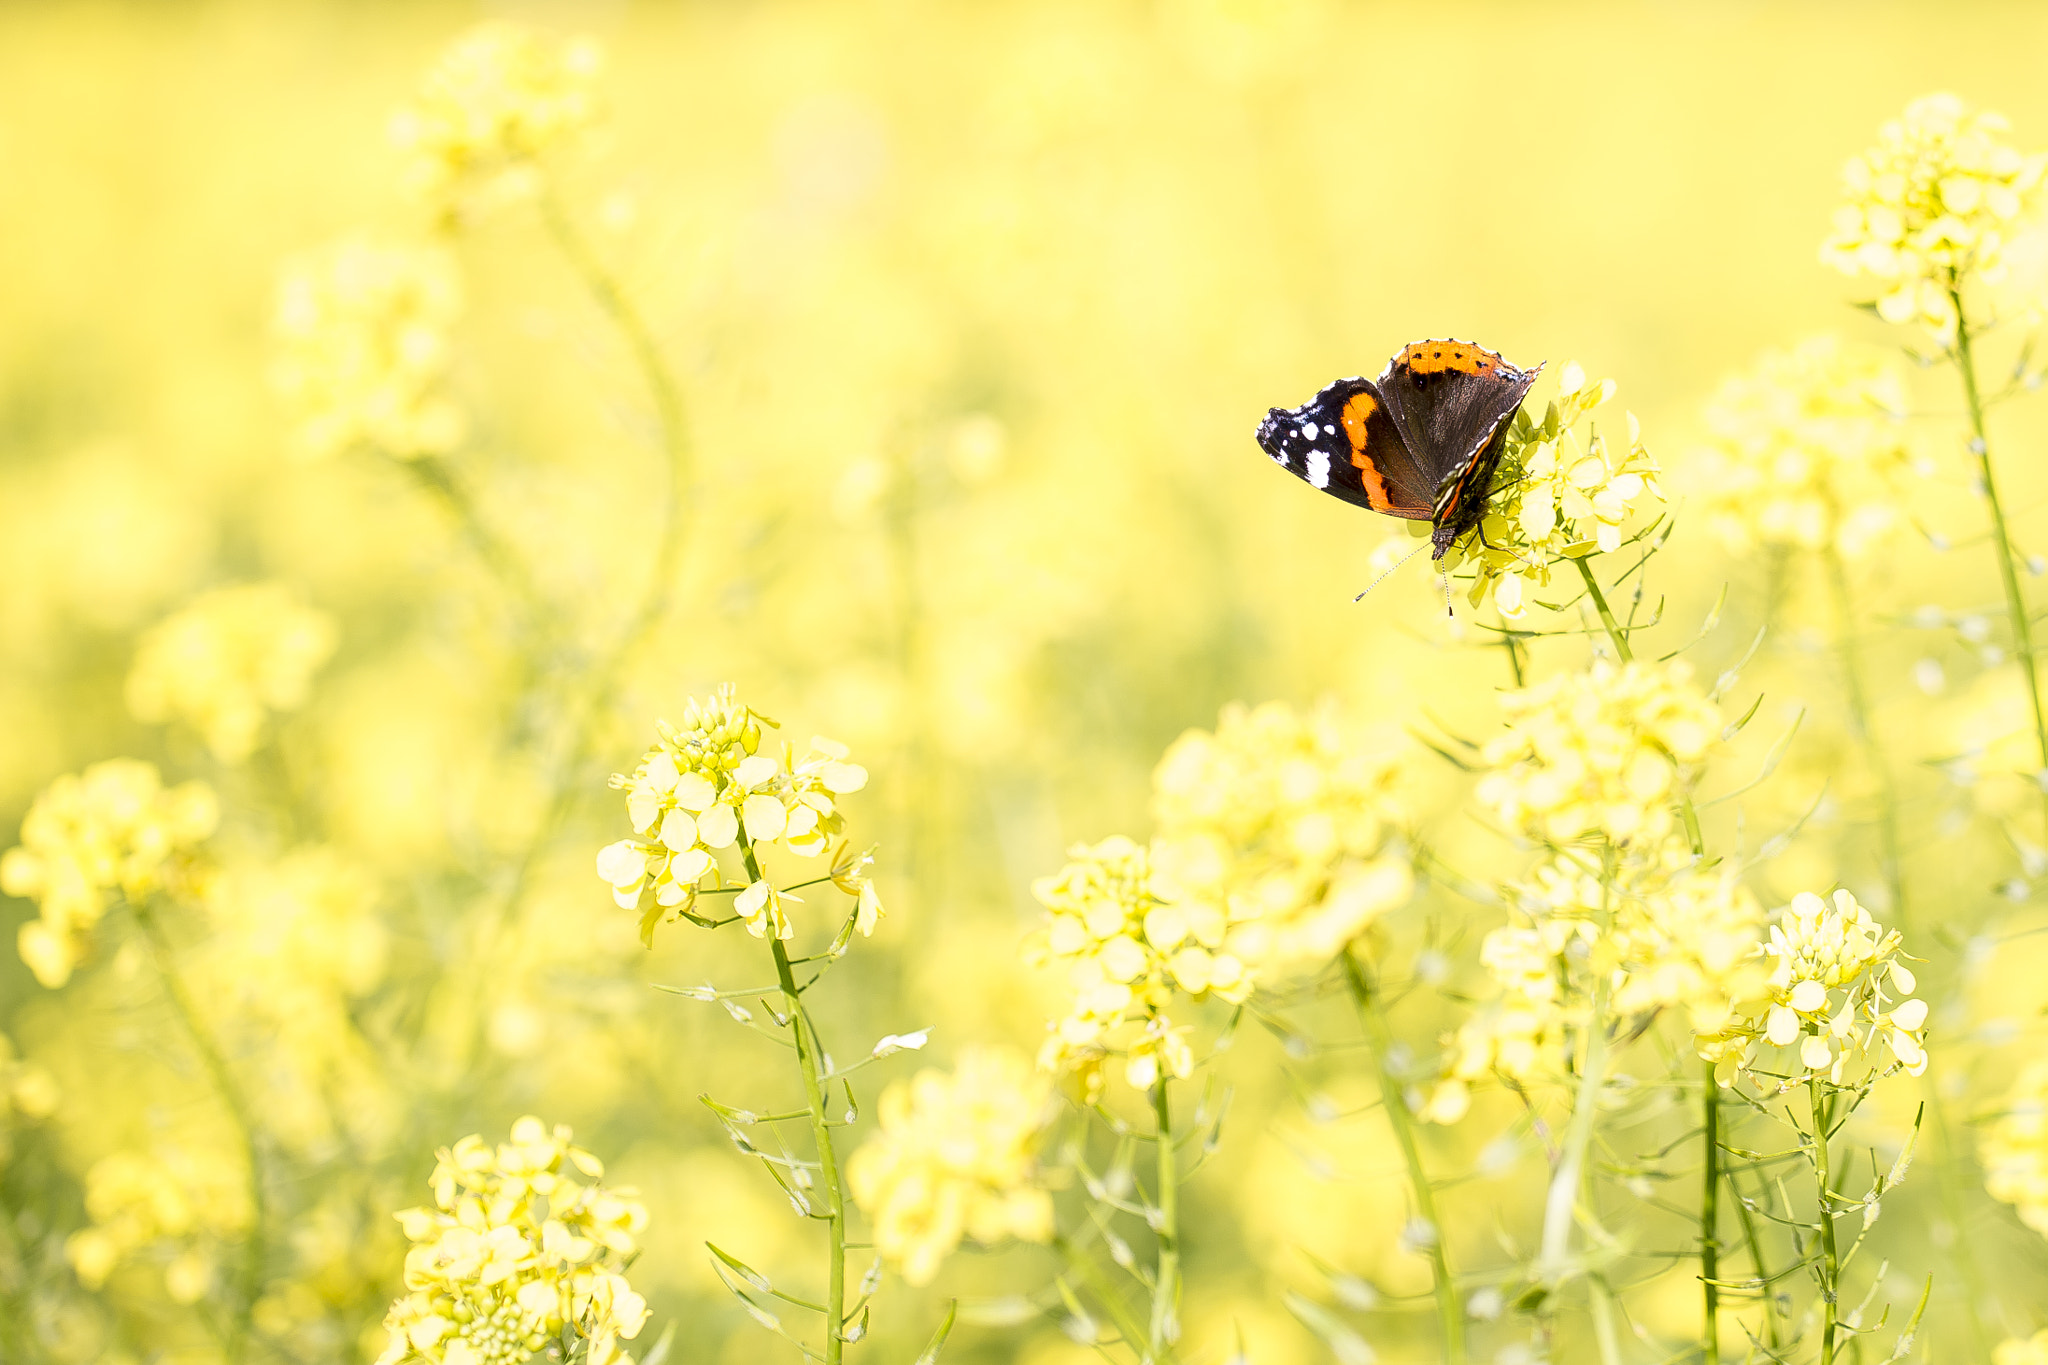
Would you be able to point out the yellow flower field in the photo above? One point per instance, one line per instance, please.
(661, 706)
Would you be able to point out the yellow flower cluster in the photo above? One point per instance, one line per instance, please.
(706, 786)
(496, 104)
(1561, 495)
(1287, 828)
(1519, 1037)
(181, 1206)
(1934, 202)
(1605, 753)
(1127, 946)
(227, 661)
(114, 827)
(362, 340)
(1826, 999)
(2014, 1148)
(954, 1158)
(515, 1252)
(1806, 452)
(26, 1090)
(2031, 1350)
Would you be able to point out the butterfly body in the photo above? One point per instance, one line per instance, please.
(1421, 442)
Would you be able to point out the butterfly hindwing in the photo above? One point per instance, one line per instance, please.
(1344, 441)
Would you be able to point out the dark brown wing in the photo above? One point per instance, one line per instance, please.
(1451, 400)
(1344, 442)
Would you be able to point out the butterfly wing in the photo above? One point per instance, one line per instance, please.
(1345, 442)
(1451, 401)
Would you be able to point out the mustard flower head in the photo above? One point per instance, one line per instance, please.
(2031, 1350)
(521, 1248)
(1807, 452)
(1285, 827)
(955, 1158)
(706, 786)
(1600, 754)
(114, 827)
(177, 1208)
(2014, 1148)
(494, 108)
(1934, 203)
(362, 334)
(1836, 991)
(1127, 947)
(228, 661)
(1567, 488)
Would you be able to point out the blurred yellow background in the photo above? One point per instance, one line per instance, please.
(975, 308)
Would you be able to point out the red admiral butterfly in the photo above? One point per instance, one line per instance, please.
(1421, 442)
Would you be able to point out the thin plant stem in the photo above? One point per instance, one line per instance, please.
(1562, 1202)
(1710, 1222)
(1605, 1338)
(1754, 1241)
(237, 1105)
(1165, 1329)
(808, 1052)
(1380, 1038)
(1830, 1267)
(2015, 603)
(1866, 733)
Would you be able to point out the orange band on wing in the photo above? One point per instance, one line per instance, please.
(1435, 357)
(1358, 412)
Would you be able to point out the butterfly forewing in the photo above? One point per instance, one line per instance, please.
(1344, 442)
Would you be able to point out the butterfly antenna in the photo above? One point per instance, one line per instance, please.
(1383, 577)
(1447, 595)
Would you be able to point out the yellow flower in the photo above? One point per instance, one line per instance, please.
(1287, 827)
(193, 1203)
(2032, 1350)
(1606, 753)
(1806, 453)
(1934, 203)
(113, 827)
(1560, 494)
(704, 788)
(516, 1250)
(362, 339)
(227, 661)
(497, 103)
(2014, 1148)
(1827, 1000)
(955, 1158)
(1127, 947)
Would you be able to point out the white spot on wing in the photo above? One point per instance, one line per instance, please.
(1311, 431)
(1319, 468)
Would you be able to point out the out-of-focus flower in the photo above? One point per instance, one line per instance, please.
(1127, 948)
(516, 1250)
(114, 827)
(1807, 451)
(186, 1204)
(1828, 1000)
(1560, 494)
(954, 1158)
(2014, 1148)
(705, 787)
(1286, 827)
(27, 1091)
(1932, 205)
(2031, 1350)
(1605, 753)
(362, 341)
(228, 660)
(501, 100)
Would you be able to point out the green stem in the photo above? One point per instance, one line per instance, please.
(1710, 1223)
(1754, 1241)
(1380, 1038)
(1166, 1283)
(1565, 1181)
(2015, 604)
(237, 1105)
(808, 1053)
(1866, 734)
(1830, 1267)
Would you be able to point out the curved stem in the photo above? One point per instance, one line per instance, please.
(809, 1051)
(1710, 1223)
(2015, 603)
(1166, 1284)
(237, 1105)
(1380, 1039)
(1830, 1267)
(1615, 634)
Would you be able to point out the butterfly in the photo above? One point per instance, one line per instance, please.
(1422, 441)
